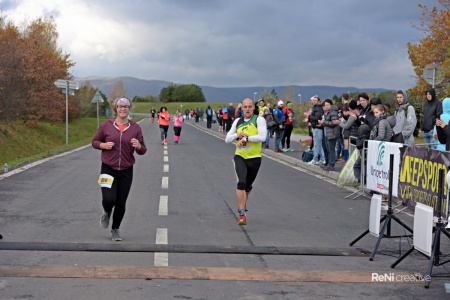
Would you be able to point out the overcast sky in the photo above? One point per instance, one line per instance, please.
(236, 43)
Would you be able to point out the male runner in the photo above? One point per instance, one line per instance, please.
(249, 132)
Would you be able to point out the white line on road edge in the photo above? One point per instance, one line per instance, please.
(15, 171)
(161, 258)
(165, 182)
(166, 168)
(163, 205)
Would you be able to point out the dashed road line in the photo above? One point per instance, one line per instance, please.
(161, 258)
(163, 205)
(165, 182)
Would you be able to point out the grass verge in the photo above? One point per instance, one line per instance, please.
(20, 143)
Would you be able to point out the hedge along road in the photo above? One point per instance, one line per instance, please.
(183, 197)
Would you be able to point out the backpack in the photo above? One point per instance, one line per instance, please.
(308, 156)
(397, 139)
(209, 112)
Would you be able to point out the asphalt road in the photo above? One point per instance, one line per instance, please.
(293, 210)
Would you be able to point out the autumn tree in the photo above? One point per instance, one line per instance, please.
(10, 75)
(434, 47)
(30, 62)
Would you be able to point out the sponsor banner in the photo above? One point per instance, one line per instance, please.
(346, 176)
(419, 176)
(377, 166)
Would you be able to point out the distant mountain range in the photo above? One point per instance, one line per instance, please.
(141, 87)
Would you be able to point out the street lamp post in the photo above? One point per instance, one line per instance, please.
(300, 96)
(254, 96)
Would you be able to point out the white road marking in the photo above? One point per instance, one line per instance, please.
(165, 152)
(165, 182)
(18, 170)
(166, 168)
(166, 159)
(161, 258)
(163, 205)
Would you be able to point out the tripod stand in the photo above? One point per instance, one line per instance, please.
(440, 228)
(386, 218)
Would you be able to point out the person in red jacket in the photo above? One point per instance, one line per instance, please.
(118, 139)
(163, 121)
(289, 126)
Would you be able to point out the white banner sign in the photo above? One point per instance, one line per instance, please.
(377, 166)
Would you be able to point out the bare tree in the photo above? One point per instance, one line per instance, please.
(117, 91)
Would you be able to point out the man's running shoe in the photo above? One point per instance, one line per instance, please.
(242, 219)
(284, 149)
(290, 150)
(277, 151)
(104, 220)
(115, 235)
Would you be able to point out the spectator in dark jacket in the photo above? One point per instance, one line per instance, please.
(279, 117)
(363, 135)
(231, 111)
(331, 132)
(431, 111)
(383, 125)
(370, 117)
(364, 107)
(314, 117)
(349, 123)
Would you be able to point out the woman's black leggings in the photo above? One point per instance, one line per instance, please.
(177, 130)
(286, 140)
(163, 129)
(116, 196)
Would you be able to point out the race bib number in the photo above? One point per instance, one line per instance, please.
(105, 180)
